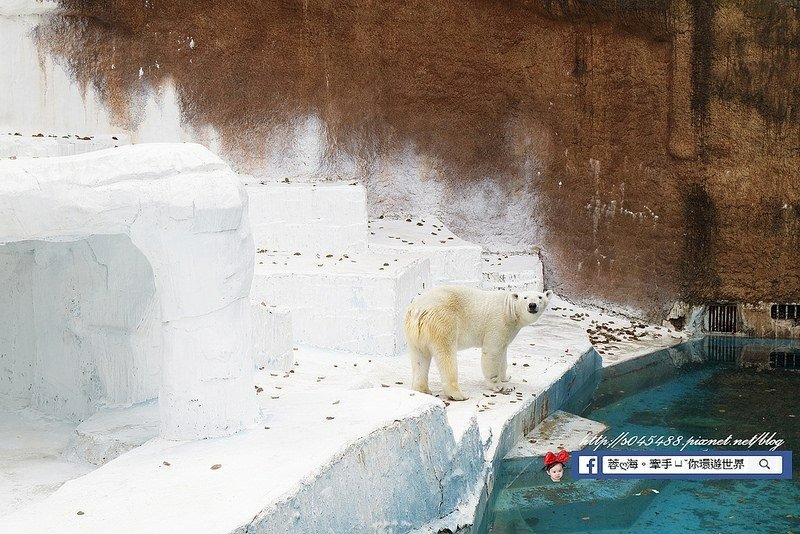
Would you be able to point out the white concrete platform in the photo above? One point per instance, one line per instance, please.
(452, 260)
(31, 463)
(13, 146)
(349, 302)
(340, 434)
(560, 431)
(329, 426)
(513, 271)
(617, 338)
(297, 473)
(308, 217)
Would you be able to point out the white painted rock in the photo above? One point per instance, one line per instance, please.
(151, 255)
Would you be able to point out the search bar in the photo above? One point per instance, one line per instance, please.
(698, 464)
(685, 465)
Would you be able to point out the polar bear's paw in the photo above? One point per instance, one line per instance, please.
(422, 388)
(456, 395)
(501, 388)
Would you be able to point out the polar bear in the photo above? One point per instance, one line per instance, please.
(446, 319)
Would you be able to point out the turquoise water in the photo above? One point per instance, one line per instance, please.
(709, 389)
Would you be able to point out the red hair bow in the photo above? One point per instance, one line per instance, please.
(561, 457)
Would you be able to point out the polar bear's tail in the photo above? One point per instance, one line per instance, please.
(427, 324)
(413, 325)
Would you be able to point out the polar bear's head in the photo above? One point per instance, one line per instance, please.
(529, 305)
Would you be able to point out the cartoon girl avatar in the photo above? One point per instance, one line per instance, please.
(554, 464)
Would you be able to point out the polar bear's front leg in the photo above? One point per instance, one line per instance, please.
(494, 364)
(504, 376)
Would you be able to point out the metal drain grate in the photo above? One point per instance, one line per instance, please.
(784, 360)
(722, 318)
(785, 311)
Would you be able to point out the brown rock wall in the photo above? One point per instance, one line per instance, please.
(666, 135)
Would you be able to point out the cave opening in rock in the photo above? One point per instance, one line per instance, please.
(80, 326)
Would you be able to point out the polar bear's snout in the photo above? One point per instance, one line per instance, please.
(532, 307)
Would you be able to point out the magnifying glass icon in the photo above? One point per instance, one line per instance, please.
(763, 463)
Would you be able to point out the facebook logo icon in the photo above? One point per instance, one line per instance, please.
(587, 465)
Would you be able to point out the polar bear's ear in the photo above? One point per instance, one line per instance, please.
(548, 293)
(514, 296)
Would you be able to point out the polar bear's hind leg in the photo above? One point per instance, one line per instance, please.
(420, 366)
(445, 357)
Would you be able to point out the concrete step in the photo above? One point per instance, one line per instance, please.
(512, 271)
(342, 301)
(306, 217)
(111, 432)
(578, 506)
(541, 492)
(452, 260)
(47, 146)
(527, 496)
(273, 340)
(561, 430)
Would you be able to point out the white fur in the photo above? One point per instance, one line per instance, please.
(447, 319)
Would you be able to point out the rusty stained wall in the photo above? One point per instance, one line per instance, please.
(756, 320)
(665, 135)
